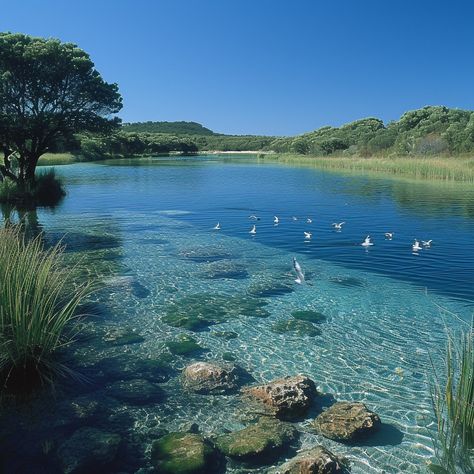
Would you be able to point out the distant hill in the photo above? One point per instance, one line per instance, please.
(173, 128)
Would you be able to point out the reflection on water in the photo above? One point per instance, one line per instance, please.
(175, 291)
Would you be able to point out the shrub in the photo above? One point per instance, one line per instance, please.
(38, 303)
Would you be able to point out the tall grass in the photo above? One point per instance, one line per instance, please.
(442, 168)
(38, 304)
(453, 403)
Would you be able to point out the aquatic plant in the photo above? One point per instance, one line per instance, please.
(453, 403)
(38, 302)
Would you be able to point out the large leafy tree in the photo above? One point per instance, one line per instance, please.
(48, 90)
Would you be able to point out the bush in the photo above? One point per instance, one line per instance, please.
(38, 303)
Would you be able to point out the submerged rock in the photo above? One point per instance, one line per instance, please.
(347, 421)
(229, 357)
(348, 282)
(76, 411)
(87, 450)
(225, 270)
(262, 442)
(184, 345)
(287, 398)
(207, 378)
(309, 315)
(185, 453)
(227, 335)
(122, 336)
(135, 391)
(249, 306)
(297, 327)
(317, 460)
(128, 283)
(205, 254)
(270, 288)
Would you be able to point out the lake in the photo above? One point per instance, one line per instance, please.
(145, 228)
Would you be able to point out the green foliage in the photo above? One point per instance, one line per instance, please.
(38, 302)
(172, 128)
(453, 403)
(49, 90)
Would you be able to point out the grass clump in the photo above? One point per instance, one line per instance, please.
(38, 303)
(453, 403)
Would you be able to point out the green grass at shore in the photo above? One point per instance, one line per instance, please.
(50, 159)
(442, 168)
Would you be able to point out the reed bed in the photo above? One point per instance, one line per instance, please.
(439, 168)
(453, 402)
(39, 299)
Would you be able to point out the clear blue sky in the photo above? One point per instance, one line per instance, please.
(267, 66)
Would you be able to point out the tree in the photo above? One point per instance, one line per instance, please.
(49, 90)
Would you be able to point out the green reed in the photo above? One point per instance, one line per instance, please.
(38, 305)
(453, 402)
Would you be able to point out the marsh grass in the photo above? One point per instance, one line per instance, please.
(440, 168)
(38, 310)
(49, 159)
(453, 402)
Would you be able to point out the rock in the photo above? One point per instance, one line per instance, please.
(87, 450)
(248, 306)
(270, 288)
(206, 254)
(287, 398)
(228, 356)
(309, 315)
(185, 453)
(298, 328)
(262, 442)
(317, 460)
(184, 345)
(225, 269)
(76, 411)
(128, 283)
(227, 335)
(347, 421)
(122, 336)
(135, 391)
(209, 378)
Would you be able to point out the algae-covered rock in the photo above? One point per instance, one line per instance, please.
(225, 269)
(135, 391)
(287, 398)
(205, 254)
(270, 288)
(206, 378)
(296, 327)
(317, 460)
(76, 411)
(347, 421)
(87, 450)
(262, 442)
(184, 345)
(249, 306)
(310, 316)
(185, 453)
(228, 356)
(122, 336)
(227, 335)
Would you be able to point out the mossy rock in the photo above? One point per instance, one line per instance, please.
(205, 254)
(297, 327)
(135, 391)
(184, 345)
(348, 282)
(270, 288)
(311, 316)
(228, 356)
(249, 306)
(227, 335)
(262, 442)
(185, 453)
(225, 270)
(122, 336)
(197, 312)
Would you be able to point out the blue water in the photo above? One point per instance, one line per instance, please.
(387, 308)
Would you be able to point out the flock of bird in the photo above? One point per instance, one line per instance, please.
(367, 242)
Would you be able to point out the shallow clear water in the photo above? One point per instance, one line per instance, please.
(151, 221)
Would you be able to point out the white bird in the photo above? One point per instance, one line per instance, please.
(427, 243)
(416, 246)
(309, 220)
(299, 273)
(254, 217)
(294, 218)
(254, 230)
(308, 235)
(367, 242)
(389, 235)
(338, 226)
(276, 220)
(217, 227)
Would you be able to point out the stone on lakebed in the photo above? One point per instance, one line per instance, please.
(317, 460)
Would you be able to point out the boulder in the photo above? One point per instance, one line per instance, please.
(310, 316)
(317, 460)
(185, 453)
(347, 421)
(135, 391)
(211, 378)
(184, 345)
(87, 450)
(287, 398)
(262, 442)
(77, 411)
(296, 327)
(122, 336)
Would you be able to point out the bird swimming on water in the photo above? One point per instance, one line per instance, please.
(367, 242)
(308, 235)
(254, 217)
(253, 230)
(276, 220)
(389, 235)
(338, 226)
(299, 272)
(427, 243)
(416, 246)
(309, 220)
(217, 226)
(294, 218)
